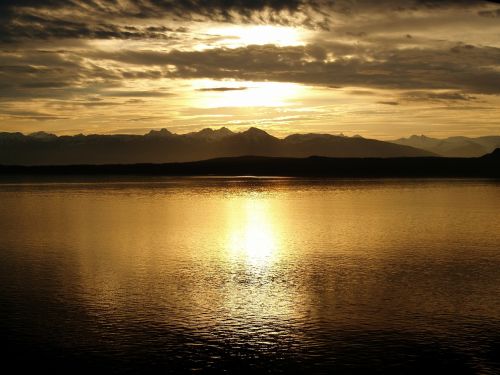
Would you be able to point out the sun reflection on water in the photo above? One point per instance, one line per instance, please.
(252, 237)
(258, 302)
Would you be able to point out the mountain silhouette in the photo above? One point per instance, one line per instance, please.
(453, 146)
(313, 166)
(495, 155)
(163, 146)
(212, 134)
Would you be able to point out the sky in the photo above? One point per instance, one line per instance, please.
(380, 69)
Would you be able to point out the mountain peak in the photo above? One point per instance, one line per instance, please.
(204, 131)
(255, 131)
(421, 136)
(42, 135)
(224, 130)
(256, 134)
(159, 133)
(212, 133)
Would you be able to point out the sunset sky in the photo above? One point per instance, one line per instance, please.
(381, 69)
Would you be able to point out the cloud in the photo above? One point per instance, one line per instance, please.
(134, 93)
(438, 96)
(490, 13)
(388, 103)
(362, 92)
(223, 89)
(59, 54)
(94, 19)
(31, 115)
(51, 74)
(412, 68)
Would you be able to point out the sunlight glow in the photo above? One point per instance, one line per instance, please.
(239, 36)
(245, 94)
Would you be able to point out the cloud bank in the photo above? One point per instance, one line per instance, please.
(60, 55)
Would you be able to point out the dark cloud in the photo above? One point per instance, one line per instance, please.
(95, 104)
(31, 115)
(490, 13)
(416, 68)
(41, 74)
(362, 92)
(388, 103)
(143, 8)
(438, 96)
(44, 85)
(223, 89)
(463, 68)
(134, 93)
(28, 27)
(93, 19)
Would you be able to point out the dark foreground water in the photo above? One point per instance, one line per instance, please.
(251, 275)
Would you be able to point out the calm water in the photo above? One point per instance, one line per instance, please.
(251, 275)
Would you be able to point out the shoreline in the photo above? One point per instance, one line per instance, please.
(256, 166)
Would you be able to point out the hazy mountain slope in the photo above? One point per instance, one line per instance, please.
(163, 146)
(491, 142)
(453, 146)
(302, 145)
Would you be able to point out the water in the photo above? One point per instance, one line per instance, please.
(234, 275)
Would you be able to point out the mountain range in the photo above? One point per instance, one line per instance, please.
(162, 146)
(453, 146)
